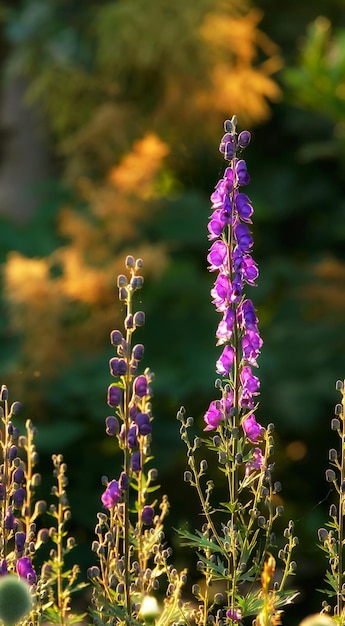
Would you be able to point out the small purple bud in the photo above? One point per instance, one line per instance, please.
(3, 393)
(133, 368)
(137, 282)
(118, 367)
(244, 138)
(19, 540)
(114, 396)
(132, 437)
(129, 262)
(147, 515)
(138, 352)
(3, 567)
(128, 323)
(139, 318)
(116, 337)
(140, 387)
(112, 425)
(136, 461)
(16, 408)
(123, 293)
(12, 453)
(16, 432)
(10, 428)
(18, 497)
(9, 519)
(18, 475)
(123, 481)
(121, 281)
(142, 420)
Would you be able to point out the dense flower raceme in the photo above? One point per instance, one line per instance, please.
(230, 255)
(132, 423)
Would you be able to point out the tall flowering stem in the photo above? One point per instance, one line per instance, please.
(332, 538)
(237, 537)
(129, 543)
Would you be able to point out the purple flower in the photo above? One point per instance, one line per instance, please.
(244, 207)
(140, 386)
(136, 461)
(234, 615)
(3, 567)
(114, 396)
(18, 497)
(225, 327)
(252, 429)
(251, 344)
(243, 237)
(132, 437)
(112, 425)
(218, 255)
(249, 381)
(25, 570)
(18, 475)
(225, 361)
(242, 175)
(216, 224)
(221, 292)
(147, 515)
(12, 452)
(142, 420)
(246, 316)
(214, 415)
(256, 463)
(118, 367)
(112, 495)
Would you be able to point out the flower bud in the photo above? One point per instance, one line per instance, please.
(139, 318)
(112, 425)
(138, 352)
(330, 476)
(244, 138)
(116, 337)
(147, 515)
(3, 393)
(114, 396)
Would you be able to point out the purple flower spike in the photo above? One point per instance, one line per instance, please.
(140, 386)
(25, 570)
(112, 495)
(147, 515)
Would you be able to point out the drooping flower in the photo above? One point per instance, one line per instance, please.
(235, 615)
(26, 570)
(114, 395)
(225, 361)
(252, 429)
(140, 386)
(147, 515)
(257, 461)
(111, 495)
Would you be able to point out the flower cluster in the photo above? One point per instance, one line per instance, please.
(230, 256)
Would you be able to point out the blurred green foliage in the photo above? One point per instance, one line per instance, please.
(133, 95)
